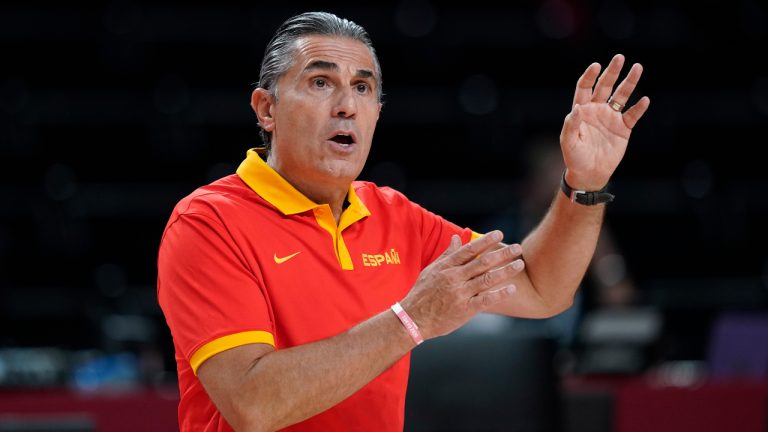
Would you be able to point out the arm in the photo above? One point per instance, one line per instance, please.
(557, 254)
(258, 389)
(593, 141)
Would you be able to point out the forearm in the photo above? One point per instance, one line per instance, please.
(558, 252)
(256, 388)
(287, 386)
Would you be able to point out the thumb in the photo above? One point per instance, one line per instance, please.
(571, 124)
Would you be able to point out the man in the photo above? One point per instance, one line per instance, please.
(294, 293)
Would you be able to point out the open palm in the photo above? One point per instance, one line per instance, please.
(596, 131)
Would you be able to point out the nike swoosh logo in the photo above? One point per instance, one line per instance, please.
(284, 259)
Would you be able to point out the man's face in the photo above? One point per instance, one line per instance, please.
(326, 112)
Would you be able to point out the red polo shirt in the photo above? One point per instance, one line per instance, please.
(249, 259)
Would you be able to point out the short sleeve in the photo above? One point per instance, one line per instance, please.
(211, 298)
(436, 233)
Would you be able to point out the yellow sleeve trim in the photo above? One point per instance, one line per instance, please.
(228, 342)
(475, 236)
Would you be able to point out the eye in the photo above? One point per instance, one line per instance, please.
(362, 88)
(319, 82)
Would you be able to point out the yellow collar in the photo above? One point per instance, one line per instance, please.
(266, 182)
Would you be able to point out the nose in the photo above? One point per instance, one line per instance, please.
(345, 104)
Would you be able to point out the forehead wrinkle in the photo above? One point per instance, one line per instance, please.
(322, 64)
(318, 49)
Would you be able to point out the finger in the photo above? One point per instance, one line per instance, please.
(571, 124)
(632, 115)
(494, 279)
(474, 248)
(585, 83)
(488, 299)
(491, 260)
(627, 86)
(604, 86)
(453, 246)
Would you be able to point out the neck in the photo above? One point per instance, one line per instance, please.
(332, 193)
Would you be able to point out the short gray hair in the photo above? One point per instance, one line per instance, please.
(280, 51)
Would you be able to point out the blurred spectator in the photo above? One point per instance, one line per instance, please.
(608, 283)
(608, 276)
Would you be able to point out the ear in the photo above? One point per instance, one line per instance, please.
(263, 104)
(378, 112)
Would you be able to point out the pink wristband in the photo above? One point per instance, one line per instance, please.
(408, 323)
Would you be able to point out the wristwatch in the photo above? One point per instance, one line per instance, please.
(585, 197)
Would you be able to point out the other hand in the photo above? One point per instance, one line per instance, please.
(462, 282)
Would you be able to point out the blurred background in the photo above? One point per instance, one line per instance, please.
(112, 112)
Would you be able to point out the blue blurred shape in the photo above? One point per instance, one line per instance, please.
(739, 346)
(107, 372)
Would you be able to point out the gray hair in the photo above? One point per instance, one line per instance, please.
(280, 51)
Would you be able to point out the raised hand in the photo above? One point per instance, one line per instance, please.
(596, 131)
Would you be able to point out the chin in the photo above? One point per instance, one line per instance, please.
(344, 170)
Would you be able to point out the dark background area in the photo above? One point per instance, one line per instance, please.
(110, 113)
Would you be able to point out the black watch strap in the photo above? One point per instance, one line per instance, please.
(585, 197)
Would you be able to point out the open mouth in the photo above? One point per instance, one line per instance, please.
(343, 139)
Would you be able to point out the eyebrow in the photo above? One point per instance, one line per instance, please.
(331, 66)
